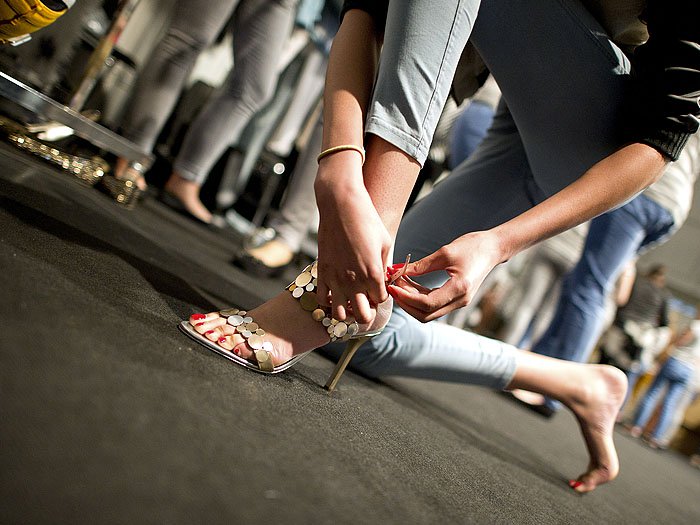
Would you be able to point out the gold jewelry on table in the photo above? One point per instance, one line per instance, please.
(89, 171)
(344, 147)
(304, 290)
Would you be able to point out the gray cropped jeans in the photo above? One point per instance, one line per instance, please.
(260, 31)
(564, 82)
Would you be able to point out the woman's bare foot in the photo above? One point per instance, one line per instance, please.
(127, 170)
(289, 330)
(594, 393)
(187, 192)
(596, 405)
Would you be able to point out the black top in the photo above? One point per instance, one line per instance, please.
(647, 304)
(666, 70)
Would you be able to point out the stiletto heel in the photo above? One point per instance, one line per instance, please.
(349, 352)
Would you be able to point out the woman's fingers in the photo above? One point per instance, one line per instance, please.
(426, 304)
(361, 309)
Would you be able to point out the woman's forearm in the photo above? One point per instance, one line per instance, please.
(349, 79)
(607, 184)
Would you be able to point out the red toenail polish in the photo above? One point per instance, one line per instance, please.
(576, 484)
(198, 316)
(222, 340)
(199, 324)
(209, 332)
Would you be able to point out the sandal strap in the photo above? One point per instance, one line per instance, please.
(303, 288)
(246, 327)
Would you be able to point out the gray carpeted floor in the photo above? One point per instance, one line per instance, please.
(109, 415)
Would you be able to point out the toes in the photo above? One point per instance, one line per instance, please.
(575, 483)
(218, 329)
(226, 341)
(241, 349)
(588, 481)
(208, 325)
(580, 486)
(200, 318)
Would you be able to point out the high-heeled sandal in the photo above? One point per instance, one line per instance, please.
(233, 321)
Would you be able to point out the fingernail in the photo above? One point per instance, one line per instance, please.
(197, 316)
(398, 265)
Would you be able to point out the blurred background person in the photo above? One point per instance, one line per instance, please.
(260, 30)
(675, 376)
(538, 286)
(641, 329)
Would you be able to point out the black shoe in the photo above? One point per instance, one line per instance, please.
(256, 267)
(543, 410)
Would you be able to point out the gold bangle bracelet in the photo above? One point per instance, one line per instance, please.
(344, 147)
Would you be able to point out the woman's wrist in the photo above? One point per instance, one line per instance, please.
(339, 175)
(338, 172)
(504, 245)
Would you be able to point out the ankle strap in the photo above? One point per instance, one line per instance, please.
(303, 288)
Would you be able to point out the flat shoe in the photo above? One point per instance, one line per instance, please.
(256, 267)
(543, 410)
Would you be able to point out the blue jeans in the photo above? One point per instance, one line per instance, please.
(677, 375)
(565, 83)
(613, 239)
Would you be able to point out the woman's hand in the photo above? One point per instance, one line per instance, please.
(467, 260)
(353, 243)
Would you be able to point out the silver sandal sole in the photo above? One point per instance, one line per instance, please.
(188, 330)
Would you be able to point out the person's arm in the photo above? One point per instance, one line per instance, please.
(625, 283)
(668, 102)
(469, 258)
(349, 222)
(358, 223)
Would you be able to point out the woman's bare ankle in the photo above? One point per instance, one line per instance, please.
(187, 192)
